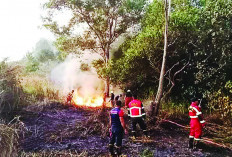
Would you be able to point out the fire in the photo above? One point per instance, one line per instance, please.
(95, 101)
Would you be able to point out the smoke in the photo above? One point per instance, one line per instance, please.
(69, 76)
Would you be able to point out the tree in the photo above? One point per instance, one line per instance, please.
(43, 51)
(31, 63)
(104, 21)
(156, 101)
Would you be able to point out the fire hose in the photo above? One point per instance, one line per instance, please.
(204, 139)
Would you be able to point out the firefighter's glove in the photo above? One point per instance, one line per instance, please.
(203, 125)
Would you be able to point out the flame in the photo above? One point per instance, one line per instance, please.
(95, 101)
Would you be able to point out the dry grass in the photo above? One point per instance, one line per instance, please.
(97, 124)
(8, 141)
(9, 137)
(55, 153)
(11, 94)
(40, 87)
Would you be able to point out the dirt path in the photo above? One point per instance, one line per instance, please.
(58, 127)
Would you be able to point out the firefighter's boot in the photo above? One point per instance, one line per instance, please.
(191, 143)
(196, 144)
(118, 151)
(111, 149)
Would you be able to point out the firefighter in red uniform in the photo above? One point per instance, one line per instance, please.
(137, 115)
(117, 126)
(128, 98)
(196, 124)
(69, 97)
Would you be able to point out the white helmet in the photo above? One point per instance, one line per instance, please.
(128, 90)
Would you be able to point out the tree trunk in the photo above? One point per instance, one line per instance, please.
(107, 86)
(157, 101)
(107, 81)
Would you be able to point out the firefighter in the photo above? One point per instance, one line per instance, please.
(118, 98)
(112, 99)
(196, 124)
(128, 98)
(69, 97)
(137, 115)
(117, 126)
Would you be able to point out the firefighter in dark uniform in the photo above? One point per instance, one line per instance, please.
(196, 124)
(137, 115)
(117, 126)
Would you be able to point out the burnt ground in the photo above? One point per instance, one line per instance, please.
(59, 127)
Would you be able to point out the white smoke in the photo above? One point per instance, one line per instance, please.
(69, 76)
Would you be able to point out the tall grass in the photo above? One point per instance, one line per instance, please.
(8, 141)
(175, 110)
(11, 93)
(39, 87)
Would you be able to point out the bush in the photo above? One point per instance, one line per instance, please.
(220, 102)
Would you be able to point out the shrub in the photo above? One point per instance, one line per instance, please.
(220, 103)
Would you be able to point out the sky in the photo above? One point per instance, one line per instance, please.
(21, 27)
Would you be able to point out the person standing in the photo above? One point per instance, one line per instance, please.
(196, 124)
(69, 97)
(112, 99)
(117, 124)
(137, 115)
(128, 98)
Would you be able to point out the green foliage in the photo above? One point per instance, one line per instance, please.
(104, 22)
(43, 53)
(138, 68)
(221, 102)
(146, 153)
(199, 40)
(176, 108)
(31, 63)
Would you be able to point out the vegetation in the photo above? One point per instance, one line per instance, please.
(104, 22)
(12, 97)
(199, 52)
(198, 63)
(9, 141)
